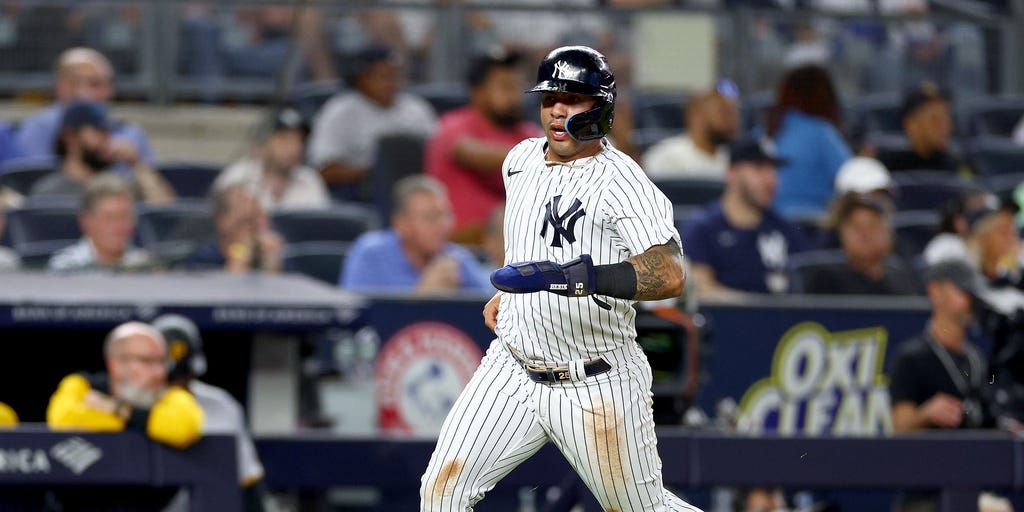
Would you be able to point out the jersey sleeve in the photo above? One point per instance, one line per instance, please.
(176, 419)
(67, 409)
(641, 214)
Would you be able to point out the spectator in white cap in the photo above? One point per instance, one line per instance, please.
(864, 175)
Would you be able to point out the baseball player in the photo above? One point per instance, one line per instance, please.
(592, 235)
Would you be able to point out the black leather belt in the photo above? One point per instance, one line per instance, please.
(539, 373)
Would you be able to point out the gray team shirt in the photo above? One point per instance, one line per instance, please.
(349, 125)
(602, 205)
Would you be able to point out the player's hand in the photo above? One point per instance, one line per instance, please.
(943, 410)
(572, 279)
(441, 274)
(491, 311)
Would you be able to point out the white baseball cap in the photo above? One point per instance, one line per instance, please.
(862, 174)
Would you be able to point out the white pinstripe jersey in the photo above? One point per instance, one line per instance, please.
(623, 214)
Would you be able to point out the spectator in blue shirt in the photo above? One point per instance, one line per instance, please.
(740, 243)
(82, 74)
(8, 147)
(415, 255)
(805, 126)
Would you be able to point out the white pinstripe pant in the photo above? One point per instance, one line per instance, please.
(602, 425)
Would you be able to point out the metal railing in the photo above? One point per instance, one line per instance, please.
(174, 50)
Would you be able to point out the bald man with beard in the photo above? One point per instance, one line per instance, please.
(132, 395)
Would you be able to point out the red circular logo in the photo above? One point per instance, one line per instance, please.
(419, 374)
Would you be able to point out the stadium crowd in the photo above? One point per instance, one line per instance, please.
(379, 189)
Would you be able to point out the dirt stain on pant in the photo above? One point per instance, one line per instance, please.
(605, 443)
(446, 478)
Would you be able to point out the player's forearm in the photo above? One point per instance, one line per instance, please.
(908, 417)
(659, 272)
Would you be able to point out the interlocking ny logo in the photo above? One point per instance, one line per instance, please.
(563, 71)
(564, 224)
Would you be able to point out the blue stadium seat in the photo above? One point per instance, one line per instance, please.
(995, 116)
(340, 223)
(992, 157)
(801, 266)
(309, 97)
(691, 191)
(879, 114)
(38, 231)
(913, 230)
(172, 232)
(189, 179)
(319, 260)
(664, 111)
(927, 190)
(644, 138)
(398, 156)
(21, 173)
(754, 107)
(443, 97)
(1003, 185)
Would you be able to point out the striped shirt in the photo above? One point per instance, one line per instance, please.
(603, 205)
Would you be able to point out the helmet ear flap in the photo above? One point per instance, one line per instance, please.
(591, 124)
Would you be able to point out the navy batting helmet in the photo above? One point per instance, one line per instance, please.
(581, 70)
(185, 357)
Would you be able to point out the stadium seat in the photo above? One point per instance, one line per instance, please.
(172, 232)
(1004, 185)
(398, 156)
(927, 190)
(643, 139)
(189, 179)
(691, 191)
(995, 116)
(20, 174)
(308, 97)
(754, 107)
(340, 223)
(319, 260)
(664, 111)
(879, 114)
(913, 230)
(443, 97)
(992, 157)
(38, 231)
(801, 266)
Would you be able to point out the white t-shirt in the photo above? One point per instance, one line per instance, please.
(224, 416)
(679, 157)
(349, 125)
(604, 206)
(305, 187)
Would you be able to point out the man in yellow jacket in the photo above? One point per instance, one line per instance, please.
(132, 395)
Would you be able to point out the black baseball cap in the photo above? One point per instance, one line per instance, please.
(957, 272)
(481, 65)
(758, 151)
(86, 113)
(990, 205)
(368, 56)
(290, 119)
(924, 93)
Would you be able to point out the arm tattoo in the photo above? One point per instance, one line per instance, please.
(659, 272)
